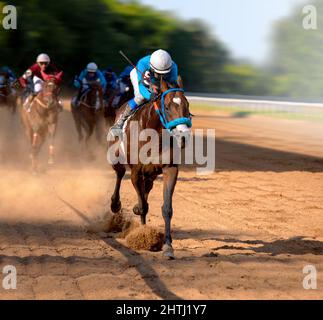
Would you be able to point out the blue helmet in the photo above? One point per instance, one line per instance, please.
(4, 69)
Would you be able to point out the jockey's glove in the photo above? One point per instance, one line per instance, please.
(153, 96)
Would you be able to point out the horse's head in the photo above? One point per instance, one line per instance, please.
(176, 113)
(51, 88)
(93, 91)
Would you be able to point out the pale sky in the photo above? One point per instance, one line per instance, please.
(245, 26)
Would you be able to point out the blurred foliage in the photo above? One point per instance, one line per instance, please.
(297, 58)
(75, 32)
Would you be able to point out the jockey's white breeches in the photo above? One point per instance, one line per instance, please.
(38, 84)
(139, 99)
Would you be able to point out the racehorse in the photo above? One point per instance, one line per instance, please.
(8, 96)
(169, 111)
(41, 118)
(117, 98)
(85, 115)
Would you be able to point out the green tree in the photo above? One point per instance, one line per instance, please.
(297, 58)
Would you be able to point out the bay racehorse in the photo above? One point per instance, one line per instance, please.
(86, 116)
(170, 114)
(42, 116)
(8, 96)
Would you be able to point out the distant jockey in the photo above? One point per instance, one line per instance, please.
(123, 86)
(8, 74)
(125, 74)
(111, 79)
(83, 82)
(34, 76)
(149, 71)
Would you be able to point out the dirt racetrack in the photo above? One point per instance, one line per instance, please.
(244, 232)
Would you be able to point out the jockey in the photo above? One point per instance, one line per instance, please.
(34, 73)
(125, 74)
(82, 82)
(149, 71)
(122, 85)
(111, 79)
(8, 73)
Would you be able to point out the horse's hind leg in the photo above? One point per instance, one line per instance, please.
(141, 209)
(170, 178)
(120, 170)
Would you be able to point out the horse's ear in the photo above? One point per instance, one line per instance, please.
(163, 86)
(59, 75)
(45, 76)
(180, 82)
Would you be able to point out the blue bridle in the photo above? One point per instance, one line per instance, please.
(170, 125)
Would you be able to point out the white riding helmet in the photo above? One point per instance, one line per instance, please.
(43, 57)
(92, 67)
(161, 62)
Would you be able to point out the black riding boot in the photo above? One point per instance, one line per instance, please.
(126, 114)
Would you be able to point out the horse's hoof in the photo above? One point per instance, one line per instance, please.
(116, 207)
(137, 210)
(168, 252)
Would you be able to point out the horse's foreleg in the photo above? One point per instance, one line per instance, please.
(149, 183)
(89, 129)
(34, 151)
(78, 125)
(52, 132)
(141, 209)
(37, 141)
(170, 178)
(99, 128)
(120, 170)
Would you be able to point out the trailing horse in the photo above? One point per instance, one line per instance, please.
(41, 119)
(86, 117)
(8, 96)
(169, 114)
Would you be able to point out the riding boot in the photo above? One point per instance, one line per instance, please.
(126, 114)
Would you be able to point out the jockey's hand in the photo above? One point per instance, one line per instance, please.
(16, 85)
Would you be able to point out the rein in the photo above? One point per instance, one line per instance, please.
(170, 125)
(40, 102)
(84, 94)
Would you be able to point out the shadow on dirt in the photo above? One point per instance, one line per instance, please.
(293, 246)
(233, 156)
